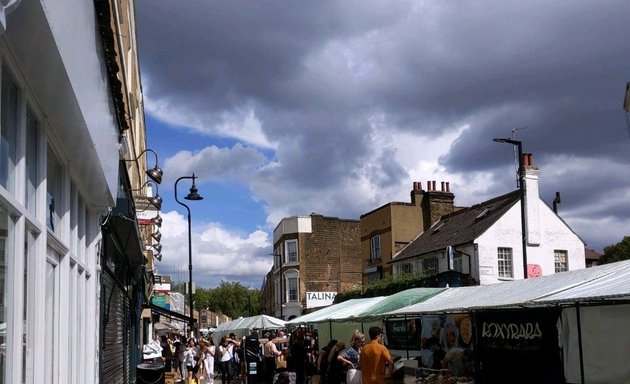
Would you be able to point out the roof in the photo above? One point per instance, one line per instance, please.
(599, 284)
(367, 309)
(459, 227)
(341, 311)
(590, 254)
(398, 300)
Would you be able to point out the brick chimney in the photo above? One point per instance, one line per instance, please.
(437, 203)
(417, 194)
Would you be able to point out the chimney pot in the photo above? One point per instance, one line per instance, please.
(443, 187)
(433, 186)
(448, 186)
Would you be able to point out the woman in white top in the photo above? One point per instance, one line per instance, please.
(226, 349)
(192, 355)
(209, 351)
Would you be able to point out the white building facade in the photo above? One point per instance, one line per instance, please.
(60, 174)
(485, 242)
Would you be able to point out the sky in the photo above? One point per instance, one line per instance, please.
(284, 108)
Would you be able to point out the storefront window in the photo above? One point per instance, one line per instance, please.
(5, 292)
(8, 132)
(53, 192)
(31, 162)
(51, 316)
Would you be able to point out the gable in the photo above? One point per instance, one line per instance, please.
(460, 227)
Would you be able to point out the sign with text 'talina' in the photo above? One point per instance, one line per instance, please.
(319, 299)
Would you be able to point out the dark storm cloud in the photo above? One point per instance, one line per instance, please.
(317, 73)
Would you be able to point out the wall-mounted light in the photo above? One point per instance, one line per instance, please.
(156, 200)
(158, 256)
(157, 236)
(154, 173)
(157, 221)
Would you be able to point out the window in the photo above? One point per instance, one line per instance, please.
(8, 132)
(292, 253)
(53, 196)
(458, 263)
(430, 265)
(406, 268)
(6, 298)
(51, 342)
(374, 277)
(375, 252)
(504, 256)
(31, 162)
(560, 260)
(292, 283)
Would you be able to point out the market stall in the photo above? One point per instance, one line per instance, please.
(246, 325)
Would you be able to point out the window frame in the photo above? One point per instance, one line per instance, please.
(560, 265)
(430, 265)
(375, 248)
(291, 256)
(505, 263)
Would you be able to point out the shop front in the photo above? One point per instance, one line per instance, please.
(519, 346)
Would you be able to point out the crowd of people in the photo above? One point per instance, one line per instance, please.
(333, 363)
(281, 359)
(196, 360)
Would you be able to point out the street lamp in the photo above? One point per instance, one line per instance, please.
(193, 196)
(521, 187)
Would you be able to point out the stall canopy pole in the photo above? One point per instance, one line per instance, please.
(579, 326)
(407, 338)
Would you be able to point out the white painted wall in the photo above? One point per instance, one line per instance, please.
(554, 235)
(58, 52)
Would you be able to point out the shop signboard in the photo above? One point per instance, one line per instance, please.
(519, 344)
(319, 299)
(159, 300)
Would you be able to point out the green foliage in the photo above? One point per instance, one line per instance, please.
(230, 298)
(616, 252)
(386, 287)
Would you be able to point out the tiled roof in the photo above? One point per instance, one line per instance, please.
(460, 227)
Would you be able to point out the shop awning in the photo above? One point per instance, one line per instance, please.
(123, 235)
(170, 314)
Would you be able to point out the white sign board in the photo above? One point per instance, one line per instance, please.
(319, 299)
(162, 287)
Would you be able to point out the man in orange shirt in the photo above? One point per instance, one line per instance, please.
(376, 362)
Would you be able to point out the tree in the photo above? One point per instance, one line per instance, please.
(616, 252)
(230, 298)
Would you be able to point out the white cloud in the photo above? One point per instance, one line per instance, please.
(217, 253)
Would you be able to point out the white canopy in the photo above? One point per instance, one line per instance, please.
(599, 283)
(243, 326)
(337, 312)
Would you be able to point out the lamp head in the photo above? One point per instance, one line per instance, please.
(157, 236)
(509, 141)
(158, 256)
(157, 220)
(193, 195)
(155, 174)
(156, 201)
(158, 247)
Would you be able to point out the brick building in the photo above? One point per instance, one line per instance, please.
(313, 254)
(389, 228)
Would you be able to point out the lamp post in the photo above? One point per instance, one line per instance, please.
(521, 187)
(193, 196)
